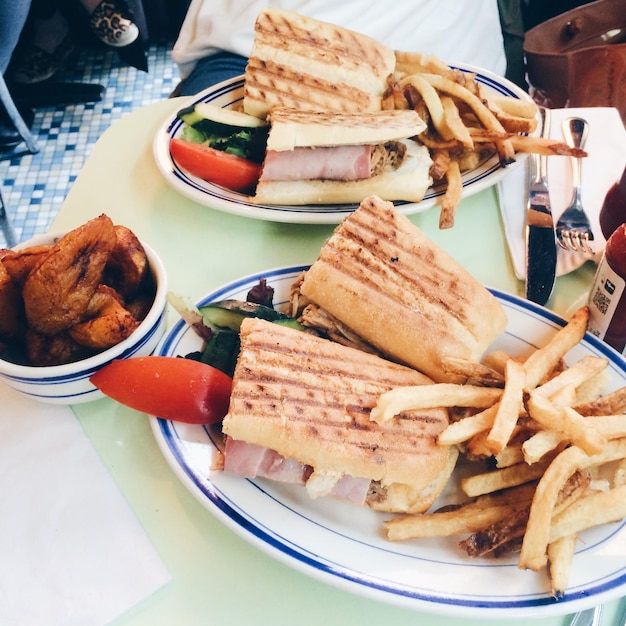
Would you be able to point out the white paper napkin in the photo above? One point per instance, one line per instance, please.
(72, 551)
(606, 148)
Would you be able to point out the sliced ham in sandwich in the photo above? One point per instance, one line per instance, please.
(316, 157)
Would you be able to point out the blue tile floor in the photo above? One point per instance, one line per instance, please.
(34, 186)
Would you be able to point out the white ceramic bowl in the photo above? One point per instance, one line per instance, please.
(69, 384)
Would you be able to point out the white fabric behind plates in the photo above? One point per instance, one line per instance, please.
(437, 27)
(606, 148)
(72, 551)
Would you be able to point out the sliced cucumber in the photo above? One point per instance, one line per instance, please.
(230, 314)
(189, 115)
(229, 117)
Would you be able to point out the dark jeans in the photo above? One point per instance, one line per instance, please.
(13, 14)
(211, 70)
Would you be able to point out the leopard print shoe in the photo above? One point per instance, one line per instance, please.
(112, 26)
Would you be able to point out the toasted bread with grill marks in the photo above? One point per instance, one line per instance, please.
(303, 63)
(383, 278)
(309, 398)
(294, 128)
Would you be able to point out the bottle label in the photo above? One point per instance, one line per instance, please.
(605, 294)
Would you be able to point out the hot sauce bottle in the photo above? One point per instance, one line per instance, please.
(607, 298)
(613, 211)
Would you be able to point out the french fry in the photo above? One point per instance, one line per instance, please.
(600, 507)
(432, 100)
(610, 404)
(454, 123)
(416, 62)
(445, 85)
(468, 427)
(533, 554)
(465, 519)
(560, 557)
(576, 428)
(460, 519)
(539, 444)
(511, 476)
(609, 426)
(468, 159)
(542, 361)
(484, 115)
(566, 396)
(511, 455)
(452, 196)
(395, 401)
(575, 375)
(619, 475)
(593, 388)
(513, 106)
(526, 143)
(441, 162)
(476, 447)
(509, 407)
(524, 414)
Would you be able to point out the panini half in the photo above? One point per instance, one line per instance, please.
(303, 63)
(299, 411)
(380, 277)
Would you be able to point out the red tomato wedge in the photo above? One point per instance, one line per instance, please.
(173, 388)
(215, 166)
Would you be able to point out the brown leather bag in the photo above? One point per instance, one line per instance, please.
(578, 59)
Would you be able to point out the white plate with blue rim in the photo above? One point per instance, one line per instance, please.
(229, 94)
(342, 544)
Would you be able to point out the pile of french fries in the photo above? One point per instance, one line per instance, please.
(550, 446)
(465, 122)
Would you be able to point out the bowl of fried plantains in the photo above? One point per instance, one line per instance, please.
(72, 302)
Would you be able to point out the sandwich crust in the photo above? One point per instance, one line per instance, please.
(309, 398)
(383, 278)
(300, 62)
(293, 128)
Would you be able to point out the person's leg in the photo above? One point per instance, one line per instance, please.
(13, 14)
(211, 70)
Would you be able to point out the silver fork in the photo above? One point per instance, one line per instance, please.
(573, 230)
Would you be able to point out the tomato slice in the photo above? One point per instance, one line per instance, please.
(215, 166)
(173, 388)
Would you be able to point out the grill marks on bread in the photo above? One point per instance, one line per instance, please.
(383, 278)
(300, 62)
(310, 399)
(399, 268)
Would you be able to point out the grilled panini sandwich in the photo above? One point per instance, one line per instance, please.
(303, 63)
(320, 157)
(299, 411)
(380, 278)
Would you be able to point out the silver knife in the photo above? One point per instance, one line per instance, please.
(540, 235)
